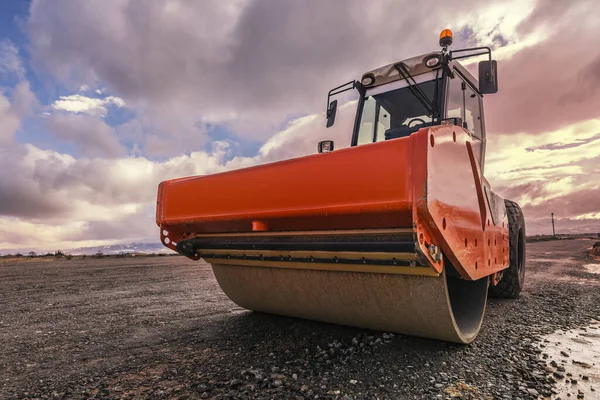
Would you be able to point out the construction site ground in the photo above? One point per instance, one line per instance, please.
(160, 327)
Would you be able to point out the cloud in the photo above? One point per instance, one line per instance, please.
(510, 161)
(552, 84)
(251, 66)
(53, 200)
(261, 70)
(568, 145)
(24, 101)
(10, 121)
(21, 193)
(499, 40)
(550, 172)
(91, 135)
(77, 103)
(58, 201)
(570, 205)
(50, 186)
(11, 113)
(95, 199)
(10, 61)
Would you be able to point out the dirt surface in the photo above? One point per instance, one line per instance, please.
(161, 328)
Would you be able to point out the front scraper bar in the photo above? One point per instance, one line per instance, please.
(390, 251)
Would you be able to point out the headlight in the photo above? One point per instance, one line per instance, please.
(432, 61)
(368, 80)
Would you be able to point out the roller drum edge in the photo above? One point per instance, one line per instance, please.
(444, 308)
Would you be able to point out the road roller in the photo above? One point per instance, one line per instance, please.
(399, 232)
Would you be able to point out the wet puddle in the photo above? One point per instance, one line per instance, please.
(593, 268)
(572, 265)
(573, 359)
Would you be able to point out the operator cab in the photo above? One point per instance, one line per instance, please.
(398, 99)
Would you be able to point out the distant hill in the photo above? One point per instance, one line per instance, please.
(121, 249)
(545, 238)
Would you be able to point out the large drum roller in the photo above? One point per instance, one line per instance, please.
(399, 232)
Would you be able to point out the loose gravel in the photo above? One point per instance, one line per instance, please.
(159, 327)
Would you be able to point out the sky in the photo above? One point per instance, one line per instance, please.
(100, 101)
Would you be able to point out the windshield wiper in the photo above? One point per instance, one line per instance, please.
(415, 89)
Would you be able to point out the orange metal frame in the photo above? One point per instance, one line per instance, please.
(450, 203)
(429, 181)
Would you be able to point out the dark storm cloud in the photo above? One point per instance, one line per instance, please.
(21, 194)
(569, 205)
(251, 65)
(52, 187)
(47, 187)
(551, 84)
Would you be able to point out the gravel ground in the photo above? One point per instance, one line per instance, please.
(159, 327)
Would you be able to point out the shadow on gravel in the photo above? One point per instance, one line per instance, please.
(254, 355)
(256, 328)
(250, 351)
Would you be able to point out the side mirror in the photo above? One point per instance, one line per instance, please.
(331, 113)
(326, 146)
(488, 77)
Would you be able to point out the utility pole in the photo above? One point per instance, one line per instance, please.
(553, 233)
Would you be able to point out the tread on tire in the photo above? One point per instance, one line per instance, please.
(513, 279)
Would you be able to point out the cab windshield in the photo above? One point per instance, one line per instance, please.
(393, 110)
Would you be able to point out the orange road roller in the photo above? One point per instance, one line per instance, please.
(400, 232)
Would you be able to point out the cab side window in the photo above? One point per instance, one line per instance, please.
(365, 133)
(463, 102)
(473, 121)
(455, 100)
(472, 113)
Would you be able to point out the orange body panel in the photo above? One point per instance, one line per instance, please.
(454, 206)
(428, 181)
(366, 187)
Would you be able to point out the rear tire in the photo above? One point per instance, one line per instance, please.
(513, 279)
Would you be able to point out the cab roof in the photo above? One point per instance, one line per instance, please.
(415, 66)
